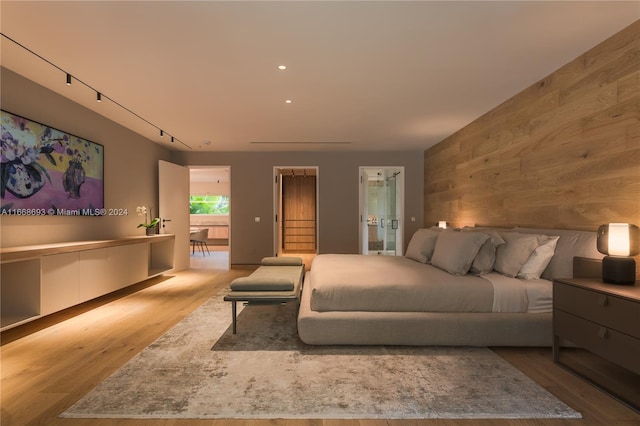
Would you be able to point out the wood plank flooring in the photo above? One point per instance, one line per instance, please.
(47, 365)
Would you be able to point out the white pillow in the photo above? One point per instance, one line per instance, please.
(421, 246)
(539, 259)
(518, 248)
(454, 251)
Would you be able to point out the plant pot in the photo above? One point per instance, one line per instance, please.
(151, 231)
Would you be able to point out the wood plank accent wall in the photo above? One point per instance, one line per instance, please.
(563, 153)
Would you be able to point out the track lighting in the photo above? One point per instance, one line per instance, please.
(161, 133)
(69, 79)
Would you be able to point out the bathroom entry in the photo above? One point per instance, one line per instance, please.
(296, 226)
(381, 210)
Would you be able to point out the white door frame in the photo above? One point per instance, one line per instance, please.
(204, 167)
(277, 205)
(363, 236)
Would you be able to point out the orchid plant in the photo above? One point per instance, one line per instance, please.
(143, 211)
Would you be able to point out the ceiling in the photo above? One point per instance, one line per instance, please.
(381, 75)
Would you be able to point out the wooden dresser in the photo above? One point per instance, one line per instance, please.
(603, 321)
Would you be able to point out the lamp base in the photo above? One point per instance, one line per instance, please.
(619, 270)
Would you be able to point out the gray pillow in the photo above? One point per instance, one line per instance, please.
(262, 284)
(486, 258)
(421, 246)
(454, 251)
(282, 261)
(511, 256)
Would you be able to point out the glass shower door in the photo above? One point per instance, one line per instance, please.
(382, 208)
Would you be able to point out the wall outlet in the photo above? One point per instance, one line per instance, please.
(413, 218)
(257, 219)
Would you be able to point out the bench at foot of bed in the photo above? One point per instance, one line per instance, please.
(278, 280)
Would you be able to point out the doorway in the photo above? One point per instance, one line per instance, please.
(381, 210)
(210, 212)
(296, 212)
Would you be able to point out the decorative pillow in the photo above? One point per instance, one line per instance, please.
(486, 257)
(421, 246)
(539, 259)
(571, 243)
(454, 251)
(511, 256)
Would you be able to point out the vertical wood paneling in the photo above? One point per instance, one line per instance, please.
(563, 153)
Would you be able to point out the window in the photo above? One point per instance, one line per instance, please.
(209, 204)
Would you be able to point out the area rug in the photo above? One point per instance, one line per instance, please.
(199, 369)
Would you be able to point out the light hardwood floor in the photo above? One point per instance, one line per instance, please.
(47, 365)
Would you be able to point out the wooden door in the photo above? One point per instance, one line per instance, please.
(298, 213)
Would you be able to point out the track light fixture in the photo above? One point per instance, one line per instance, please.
(69, 78)
(161, 133)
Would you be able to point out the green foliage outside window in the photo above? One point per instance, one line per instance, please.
(209, 204)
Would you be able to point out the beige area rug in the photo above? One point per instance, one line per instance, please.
(199, 369)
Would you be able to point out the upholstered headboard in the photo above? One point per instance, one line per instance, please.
(571, 244)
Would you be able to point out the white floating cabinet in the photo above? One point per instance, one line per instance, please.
(40, 280)
(59, 276)
(20, 287)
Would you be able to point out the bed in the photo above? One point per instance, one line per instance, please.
(470, 287)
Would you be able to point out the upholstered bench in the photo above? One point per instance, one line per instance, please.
(278, 280)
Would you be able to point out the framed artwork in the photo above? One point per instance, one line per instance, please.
(45, 171)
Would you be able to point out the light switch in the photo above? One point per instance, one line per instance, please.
(257, 219)
(413, 218)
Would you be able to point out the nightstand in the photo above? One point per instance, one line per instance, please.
(602, 321)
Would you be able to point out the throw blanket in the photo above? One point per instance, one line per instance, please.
(509, 294)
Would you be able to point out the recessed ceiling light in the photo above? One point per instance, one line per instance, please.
(288, 101)
(282, 67)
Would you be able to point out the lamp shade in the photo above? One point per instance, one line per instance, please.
(619, 239)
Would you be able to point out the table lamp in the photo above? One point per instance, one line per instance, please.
(619, 241)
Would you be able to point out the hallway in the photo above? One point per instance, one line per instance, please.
(217, 258)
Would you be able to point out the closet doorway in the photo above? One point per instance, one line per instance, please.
(296, 211)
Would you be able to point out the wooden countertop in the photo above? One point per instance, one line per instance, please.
(12, 254)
